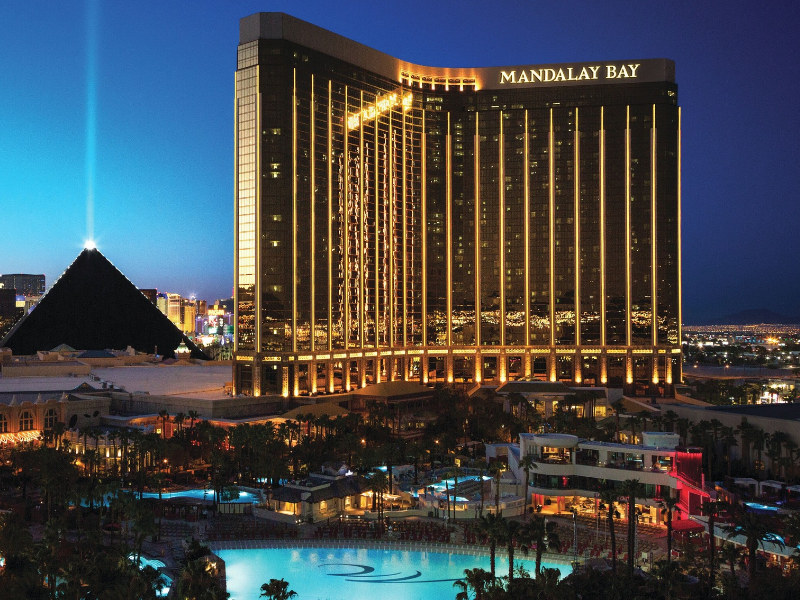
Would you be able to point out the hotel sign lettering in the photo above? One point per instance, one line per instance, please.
(557, 74)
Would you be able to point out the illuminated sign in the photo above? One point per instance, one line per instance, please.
(382, 105)
(554, 75)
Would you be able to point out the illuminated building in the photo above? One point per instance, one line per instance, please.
(396, 221)
(26, 285)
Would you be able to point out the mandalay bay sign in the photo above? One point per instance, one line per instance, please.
(583, 73)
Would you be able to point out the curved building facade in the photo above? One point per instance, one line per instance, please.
(396, 221)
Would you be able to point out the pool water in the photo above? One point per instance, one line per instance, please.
(356, 574)
(199, 494)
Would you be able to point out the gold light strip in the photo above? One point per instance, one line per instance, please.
(552, 190)
(330, 216)
(294, 210)
(236, 224)
(477, 169)
(257, 322)
(405, 238)
(377, 243)
(653, 231)
(346, 231)
(527, 235)
(628, 226)
(361, 230)
(577, 246)
(449, 230)
(391, 241)
(602, 228)
(312, 188)
(680, 253)
(502, 235)
(424, 235)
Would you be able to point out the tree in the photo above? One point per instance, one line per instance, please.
(510, 533)
(608, 497)
(491, 526)
(756, 530)
(197, 582)
(669, 504)
(527, 463)
(277, 589)
(476, 580)
(631, 488)
(541, 533)
(163, 414)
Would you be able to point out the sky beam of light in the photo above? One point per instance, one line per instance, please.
(91, 114)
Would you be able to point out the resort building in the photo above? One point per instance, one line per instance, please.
(402, 222)
(569, 473)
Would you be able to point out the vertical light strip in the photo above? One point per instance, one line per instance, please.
(577, 245)
(424, 218)
(527, 234)
(236, 225)
(362, 235)
(346, 229)
(552, 188)
(377, 245)
(390, 158)
(628, 226)
(312, 187)
(502, 235)
(294, 210)
(477, 169)
(449, 230)
(653, 231)
(680, 252)
(330, 216)
(602, 227)
(405, 237)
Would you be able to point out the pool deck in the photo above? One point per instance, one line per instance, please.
(398, 546)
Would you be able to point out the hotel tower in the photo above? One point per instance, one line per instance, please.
(401, 222)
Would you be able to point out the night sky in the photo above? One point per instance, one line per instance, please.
(128, 107)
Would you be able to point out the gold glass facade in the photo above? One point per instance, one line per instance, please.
(402, 222)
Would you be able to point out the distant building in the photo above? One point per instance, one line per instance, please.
(150, 293)
(25, 284)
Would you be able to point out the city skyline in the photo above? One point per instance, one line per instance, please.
(156, 141)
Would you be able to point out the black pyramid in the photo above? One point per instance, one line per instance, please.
(93, 306)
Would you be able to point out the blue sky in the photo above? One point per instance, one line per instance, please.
(155, 136)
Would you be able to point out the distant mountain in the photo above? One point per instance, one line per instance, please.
(755, 316)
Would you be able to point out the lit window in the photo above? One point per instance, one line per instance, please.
(50, 419)
(25, 421)
(3, 424)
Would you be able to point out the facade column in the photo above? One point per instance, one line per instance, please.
(404, 366)
(312, 377)
(603, 366)
(502, 366)
(577, 368)
(527, 360)
(478, 365)
(347, 365)
(256, 375)
(449, 367)
(423, 367)
(629, 388)
(377, 369)
(285, 381)
(329, 381)
(669, 388)
(552, 366)
(296, 379)
(362, 372)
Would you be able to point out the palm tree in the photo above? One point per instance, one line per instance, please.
(163, 414)
(527, 463)
(608, 497)
(731, 553)
(631, 488)
(277, 589)
(543, 534)
(378, 485)
(756, 529)
(669, 504)
(491, 525)
(476, 580)
(619, 408)
(511, 531)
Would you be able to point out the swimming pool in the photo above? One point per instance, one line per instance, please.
(199, 494)
(355, 574)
